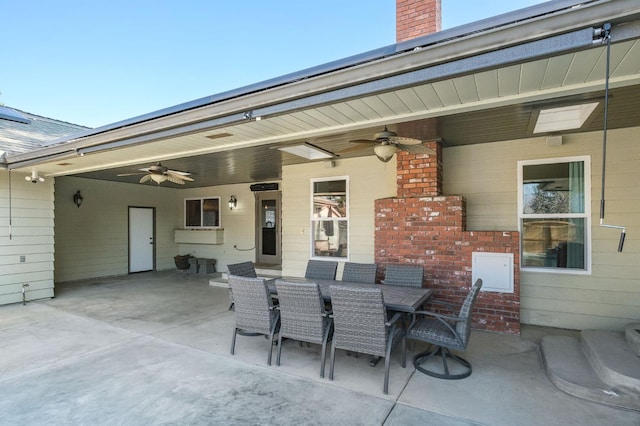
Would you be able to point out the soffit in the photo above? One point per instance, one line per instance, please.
(491, 105)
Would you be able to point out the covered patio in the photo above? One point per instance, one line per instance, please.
(153, 348)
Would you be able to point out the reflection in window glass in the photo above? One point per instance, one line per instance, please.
(192, 213)
(202, 212)
(210, 209)
(330, 218)
(553, 218)
(553, 243)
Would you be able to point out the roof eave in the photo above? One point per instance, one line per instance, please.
(517, 28)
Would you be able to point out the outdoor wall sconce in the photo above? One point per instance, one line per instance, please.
(77, 199)
(233, 202)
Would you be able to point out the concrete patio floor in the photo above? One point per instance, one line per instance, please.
(153, 348)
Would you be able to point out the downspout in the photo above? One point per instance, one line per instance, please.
(605, 33)
(10, 214)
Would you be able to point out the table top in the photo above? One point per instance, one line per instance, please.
(397, 298)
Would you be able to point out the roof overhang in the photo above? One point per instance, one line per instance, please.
(513, 60)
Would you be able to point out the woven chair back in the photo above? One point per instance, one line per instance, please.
(301, 311)
(253, 306)
(321, 270)
(359, 272)
(404, 275)
(244, 269)
(359, 318)
(463, 328)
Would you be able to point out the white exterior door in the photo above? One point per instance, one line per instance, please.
(141, 239)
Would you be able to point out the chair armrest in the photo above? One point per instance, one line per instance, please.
(441, 303)
(444, 319)
(396, 317)
(439, 317)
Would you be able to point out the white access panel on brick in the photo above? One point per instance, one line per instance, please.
(495, 269)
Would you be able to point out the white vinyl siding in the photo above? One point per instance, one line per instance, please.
(486, 175)
(238, 225)
(92, 240)
(31, 238)
(369, 180)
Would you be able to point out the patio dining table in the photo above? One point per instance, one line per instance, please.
(396, 298)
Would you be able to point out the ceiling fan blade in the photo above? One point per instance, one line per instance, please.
(131, 174)
(399, 140)
(355, 148)
(145, 178)
(178, 172)
(179, 175)
(174, 179)
(417, 149)
(364, 141)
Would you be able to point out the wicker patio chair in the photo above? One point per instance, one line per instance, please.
(321, 270)
(254, 310)
(360, 325)
(403, 275)
(445, 332)
(359, 272)
(244, 269)
(303, 316)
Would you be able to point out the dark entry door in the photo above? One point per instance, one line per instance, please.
(268, 227)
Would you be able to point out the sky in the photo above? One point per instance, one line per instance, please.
(96, 62)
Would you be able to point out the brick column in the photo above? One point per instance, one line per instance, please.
(420, 174)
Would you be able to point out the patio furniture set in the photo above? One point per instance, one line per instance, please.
(353, 314)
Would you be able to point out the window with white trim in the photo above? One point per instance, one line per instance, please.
(554, 214)
(202, 212)
(330, 217)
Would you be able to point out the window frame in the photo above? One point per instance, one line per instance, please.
(313, 220)
(586, 215)
(202, 199)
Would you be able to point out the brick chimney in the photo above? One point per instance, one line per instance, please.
(415, 18)
(423, 226)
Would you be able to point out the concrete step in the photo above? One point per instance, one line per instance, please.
(262, 272)
(569, 370)
(612, 359)
(219, 282)
(632, 334)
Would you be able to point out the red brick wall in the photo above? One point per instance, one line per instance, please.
(415, 18)
(419, 174)
(423, 227)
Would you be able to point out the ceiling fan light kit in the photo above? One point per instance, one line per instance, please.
(387, 143)
(159, 173)
(384, 152)
(158, 178)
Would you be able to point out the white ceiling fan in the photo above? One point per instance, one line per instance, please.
(159, 173)
(386, 143)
